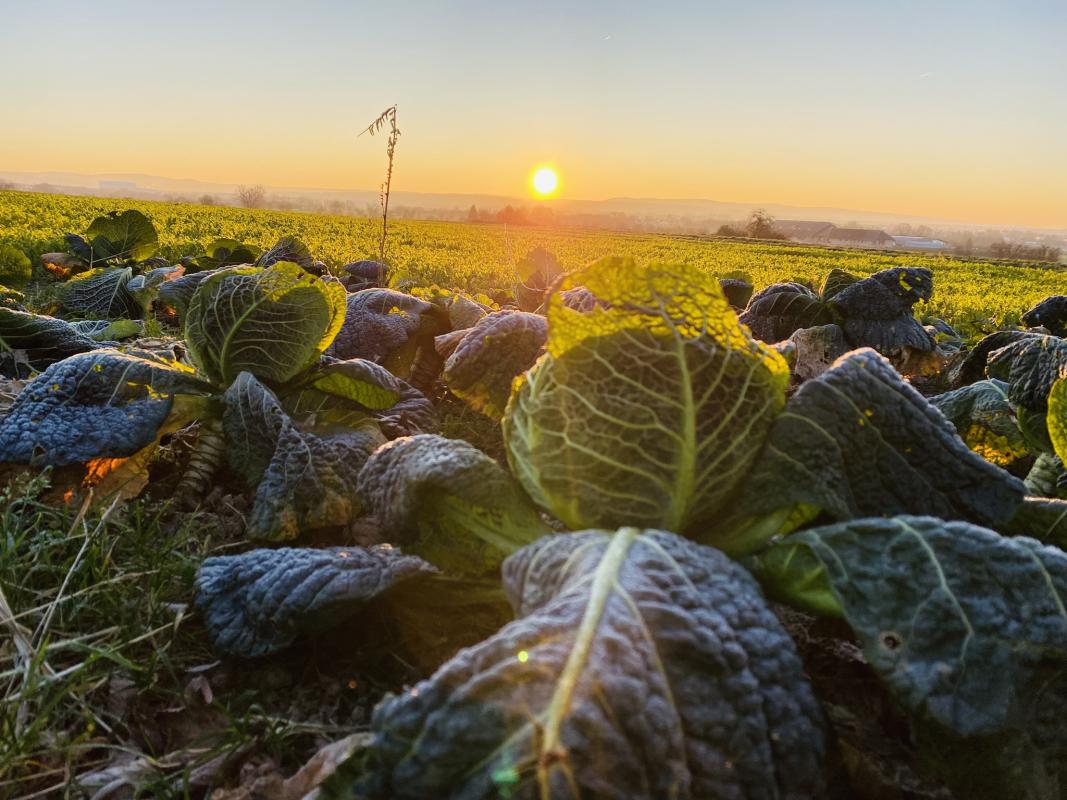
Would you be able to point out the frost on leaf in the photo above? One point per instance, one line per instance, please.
(38, 341)
(1030, 366)
(640, 665)
(877, 311)
(101, 404)
(967, 628)
(973, 366)
(259, 602)
(859, 441)
(304, 480)
(389, 328)
(775, 312)
(491, 355)
(448, 502)
(1050, 314)
(647, 412)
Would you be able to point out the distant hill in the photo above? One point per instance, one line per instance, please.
(157, 187)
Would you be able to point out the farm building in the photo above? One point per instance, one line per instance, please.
(860, 237)
(803, 230)
(813, 232)
(923, 243)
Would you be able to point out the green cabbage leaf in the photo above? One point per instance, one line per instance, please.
(647, 412)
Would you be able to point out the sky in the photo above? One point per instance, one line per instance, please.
(936, 108)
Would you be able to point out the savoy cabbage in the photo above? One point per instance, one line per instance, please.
(640, 665)
(649, 411)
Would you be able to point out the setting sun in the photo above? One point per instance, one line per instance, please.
(545, 181)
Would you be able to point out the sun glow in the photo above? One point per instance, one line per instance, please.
(545, 181)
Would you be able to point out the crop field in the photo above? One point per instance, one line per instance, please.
(976, 296)
(522, 514)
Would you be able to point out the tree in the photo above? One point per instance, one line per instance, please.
(252, 196)
(729, 230)
(472, 213)
(761, 226)
(207, 200)
(543, 216)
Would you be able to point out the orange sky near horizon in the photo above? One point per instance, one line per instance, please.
(961, 118)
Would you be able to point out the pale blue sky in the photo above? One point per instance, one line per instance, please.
(954, 109)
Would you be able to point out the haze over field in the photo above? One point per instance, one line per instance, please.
(948, 110)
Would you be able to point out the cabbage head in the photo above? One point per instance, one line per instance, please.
(273, 322)
(649, 411)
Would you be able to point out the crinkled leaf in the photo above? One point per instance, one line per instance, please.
(888, 336)
(310, 482)
(448, 502)
(344, 392)
(304, 480)
(103, 404)
(738, 291)
(101, 293)
(125, 236)
(886, 294)
(272, 322)
(1030, 366)
(178, 293)
(578, 299)
(773, 315)
(10, 298)
(494, 352)
(535, 273)
(1041, 518)
(362, 382)
(967, 628)
(650, 411)
(226, 253)
(985, 420)
(1047, 477)
(1050, 314)
(252, 421)
(836, 281)
(126, 478)
(388, 327)
(38, 340)
(144, 288)
(289, 249)
(859, 441)
(641, 665)
(877, 311)
(463, 310)
(973, 367)
(815, 350)
(261, 601)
